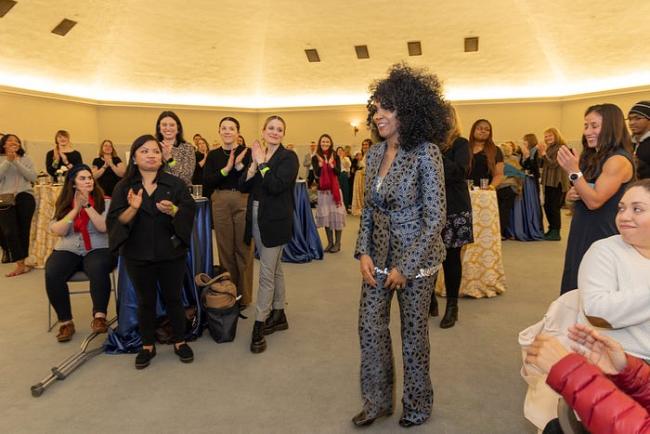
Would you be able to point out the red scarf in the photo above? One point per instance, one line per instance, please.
(81, 224)
(329, 181)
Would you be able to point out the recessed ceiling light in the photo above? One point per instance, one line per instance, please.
(64, 27)
(471, 44)
(5, 6)
(362, 51)
(312, 55)
(415, 48)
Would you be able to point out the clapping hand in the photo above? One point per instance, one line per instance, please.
(332, 161)
(321, 160)
(167, 207)
(602, 351)
(231, 161)
(135, 199)
(166, 150)
(567, 160)
(241, 156)
(572, 194)
(80, 199)
(258, 153)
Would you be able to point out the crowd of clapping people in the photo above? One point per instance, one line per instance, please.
(410, 190)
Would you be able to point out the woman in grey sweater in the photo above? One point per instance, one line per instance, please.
(16, 177)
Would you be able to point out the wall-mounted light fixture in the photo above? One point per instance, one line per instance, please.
(355, 127)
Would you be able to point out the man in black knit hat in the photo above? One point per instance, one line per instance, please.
(639, 121)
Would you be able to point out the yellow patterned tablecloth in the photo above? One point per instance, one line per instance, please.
(483, 274)
(41, 240)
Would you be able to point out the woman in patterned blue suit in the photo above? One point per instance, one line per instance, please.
(400, 247)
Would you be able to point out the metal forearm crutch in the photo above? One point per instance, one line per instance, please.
(71, 363)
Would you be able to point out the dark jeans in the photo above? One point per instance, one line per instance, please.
(453, 268)
(553, 200)
(506, 198)
(146, 277)
(16, 222)
(61, 265)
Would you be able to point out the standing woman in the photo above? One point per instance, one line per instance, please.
(530, 158)
(150, 222)
(223, 169)
(554, 180)
(330, 210)
(270, 179)
(400, 247)
(344, 177)
(108, 168)
(80, 223)
(63, 154)
(486, 162)
(599, 179)
(359, 179)
(200, 155)
(178, 156)
(16, 177)
(458, 229)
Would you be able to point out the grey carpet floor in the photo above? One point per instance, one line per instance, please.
(306, 381)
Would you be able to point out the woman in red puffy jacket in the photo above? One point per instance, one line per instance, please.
(610, 390)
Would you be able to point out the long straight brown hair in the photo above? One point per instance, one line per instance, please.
(613, 136)
(489, 147)
(64, 201)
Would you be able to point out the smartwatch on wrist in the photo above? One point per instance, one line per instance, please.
(574, 176)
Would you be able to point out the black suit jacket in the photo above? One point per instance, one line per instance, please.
(152, 235)
(274, 191)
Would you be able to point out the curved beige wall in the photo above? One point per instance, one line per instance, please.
(35, 119)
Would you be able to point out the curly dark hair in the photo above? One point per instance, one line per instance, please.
(416, 97)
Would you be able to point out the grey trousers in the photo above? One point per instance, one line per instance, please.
(377, 366)
(270, 292)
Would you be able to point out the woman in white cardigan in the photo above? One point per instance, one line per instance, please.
(614, 276)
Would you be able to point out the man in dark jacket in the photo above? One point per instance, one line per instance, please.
(639, 121)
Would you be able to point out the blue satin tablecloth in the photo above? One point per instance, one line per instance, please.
(526, 217)
(126, 339)
(305, 245)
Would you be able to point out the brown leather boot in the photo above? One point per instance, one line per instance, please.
(65, 332)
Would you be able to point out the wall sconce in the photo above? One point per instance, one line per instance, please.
(355, 127)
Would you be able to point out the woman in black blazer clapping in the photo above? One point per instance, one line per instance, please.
(150, 221)
(270, 180)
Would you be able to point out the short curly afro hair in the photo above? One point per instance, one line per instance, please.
(416, 97)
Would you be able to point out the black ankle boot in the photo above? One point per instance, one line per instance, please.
(337, 243)
(330, 240)
(275, 322)
(258, 343)
(5, 256)
(433, 307)
(451, 314)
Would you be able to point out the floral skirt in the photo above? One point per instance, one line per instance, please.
(327, 213)
(458, 230)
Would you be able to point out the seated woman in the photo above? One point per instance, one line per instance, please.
(80, 222)
(610, 390)
(614, 276)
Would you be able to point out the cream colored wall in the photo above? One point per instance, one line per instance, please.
(36, 118)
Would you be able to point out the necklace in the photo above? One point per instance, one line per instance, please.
(227, 151)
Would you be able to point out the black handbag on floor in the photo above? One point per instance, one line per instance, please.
(222, 323)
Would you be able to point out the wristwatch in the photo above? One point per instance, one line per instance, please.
(573, 177)
(262, 166)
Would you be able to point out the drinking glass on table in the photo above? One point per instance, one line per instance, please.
(484, 183)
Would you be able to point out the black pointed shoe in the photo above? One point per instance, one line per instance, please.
(451, 314)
